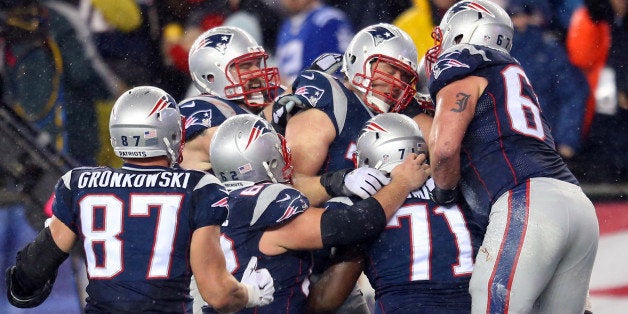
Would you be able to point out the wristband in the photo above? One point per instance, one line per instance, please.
(334, 182)
(444, 197)
(253, 295)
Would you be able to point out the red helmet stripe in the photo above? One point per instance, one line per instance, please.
(374, 127)
(160, 105)
(478, 7)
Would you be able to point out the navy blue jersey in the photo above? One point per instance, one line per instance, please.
(422, 261)
(253, 210)
(136, 224)
(206, 111)
(508, 140)
(346, 111)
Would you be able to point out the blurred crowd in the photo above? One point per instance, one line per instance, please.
(65, 61)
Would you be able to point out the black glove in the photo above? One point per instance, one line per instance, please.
(282, 107)
(26, 299)
(328, 62)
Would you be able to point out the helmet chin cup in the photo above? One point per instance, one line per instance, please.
(375, 103)
(255, 99)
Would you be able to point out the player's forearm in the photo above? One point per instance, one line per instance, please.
(445, 163)
(446, 172)
(392, 196)
(311, 187)
(336, 283)
(226, 300)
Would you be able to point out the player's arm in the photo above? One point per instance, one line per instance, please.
(424, 121)
(360, 222)
(30, 281)
(196, 151)
(455, 108)
(216, 285)
(309, 134)
(337, 281)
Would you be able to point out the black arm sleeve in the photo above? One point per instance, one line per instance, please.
(38, 262)
(363, 221)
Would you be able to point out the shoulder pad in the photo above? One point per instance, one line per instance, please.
(460, 61)
(312, 86)
(277, 203)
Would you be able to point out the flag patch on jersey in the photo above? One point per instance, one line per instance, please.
(311, 93)
(380, 34)
(445, 64)
(219, 42)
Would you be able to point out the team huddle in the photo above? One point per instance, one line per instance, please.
(436, 177)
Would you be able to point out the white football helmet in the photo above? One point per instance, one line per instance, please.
(246, 148)
(217, 50)
(376, 44)
(422, 87)
(145, 122)
(478, 22)
(386, 140)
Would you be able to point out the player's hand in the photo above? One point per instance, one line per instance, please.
(412, 172)
(364, 182)
(259, 284)
(328, 62)
(284, 106)
(25, 299)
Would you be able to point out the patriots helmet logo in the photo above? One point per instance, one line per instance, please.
(467, 5)
(380, 34)
(219, 42)
(445, 64)
(259, 128)
(162, 103)
(311, 93)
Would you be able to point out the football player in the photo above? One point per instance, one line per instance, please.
(490, 142)
(423, 260)
(144, 228)
(230, 70)
(271, 221)
(380, 67)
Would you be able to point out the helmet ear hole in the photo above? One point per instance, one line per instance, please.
(273, 164)
(209, 78)
(458, 39)
(352, 59)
